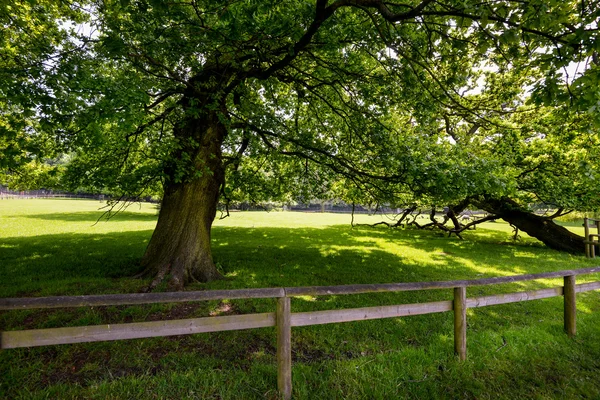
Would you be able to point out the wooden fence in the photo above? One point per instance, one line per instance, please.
(591, 239)
(283, 319)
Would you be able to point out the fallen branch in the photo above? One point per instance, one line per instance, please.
(395, 224)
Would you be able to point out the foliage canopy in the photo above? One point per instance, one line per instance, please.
(435, 100)
(367, 88)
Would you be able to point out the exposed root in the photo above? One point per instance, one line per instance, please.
(177, 276)
(160, 277)
(139, 275)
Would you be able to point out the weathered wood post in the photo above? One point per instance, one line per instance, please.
(589, 248)
(284, 347)
(570, 305)
(597, 237)
(460, 322)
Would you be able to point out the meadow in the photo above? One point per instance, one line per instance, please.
(58, 247)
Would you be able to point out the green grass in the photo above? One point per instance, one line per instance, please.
(54, 247)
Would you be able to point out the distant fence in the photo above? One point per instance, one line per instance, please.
(591, 239)
(283, 319)
(6, 194)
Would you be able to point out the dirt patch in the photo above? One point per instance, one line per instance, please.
(179, 311)
(35, 319)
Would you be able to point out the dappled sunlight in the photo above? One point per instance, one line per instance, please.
(334, 250)
(524, 254)
(307, 298)
(584, 308)
(36, 257)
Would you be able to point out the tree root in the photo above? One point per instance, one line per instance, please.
(160, 277)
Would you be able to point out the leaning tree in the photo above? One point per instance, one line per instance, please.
(549, 159)
(528, 167)
(191, 94)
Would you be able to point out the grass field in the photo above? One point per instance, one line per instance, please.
(54, 247)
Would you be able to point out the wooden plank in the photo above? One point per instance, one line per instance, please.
(586, 287)
(366, 313)
(175, 297)
(570, 306)
(136, 298)
(485, 301)
(409, 286)
(99, 333)
(284, 348)
(460, 322)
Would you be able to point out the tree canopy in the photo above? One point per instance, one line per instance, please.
(442, 101)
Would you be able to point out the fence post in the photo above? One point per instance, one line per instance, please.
(570, 305)
(284, 347)
(586, 235)
(460, 322)
(597, 237)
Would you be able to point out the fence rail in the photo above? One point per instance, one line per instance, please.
(283, 319)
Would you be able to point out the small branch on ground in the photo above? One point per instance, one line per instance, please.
(458, 227)
(395, 224)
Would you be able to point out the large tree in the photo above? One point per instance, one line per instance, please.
(528, 167)
(182, 92)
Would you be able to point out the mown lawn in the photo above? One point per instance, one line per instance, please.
(54, 247)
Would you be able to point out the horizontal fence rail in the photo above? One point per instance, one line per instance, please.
(136, 330)
(137, 298)
(267, 293)
(283, 319)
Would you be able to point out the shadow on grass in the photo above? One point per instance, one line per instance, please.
(269, 257)
(340, 255)
(68, 263)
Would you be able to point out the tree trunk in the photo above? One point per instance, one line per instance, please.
(179, 250)
(542, 228)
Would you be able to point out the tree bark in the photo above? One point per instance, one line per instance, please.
(179, 250)
(542, 228)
